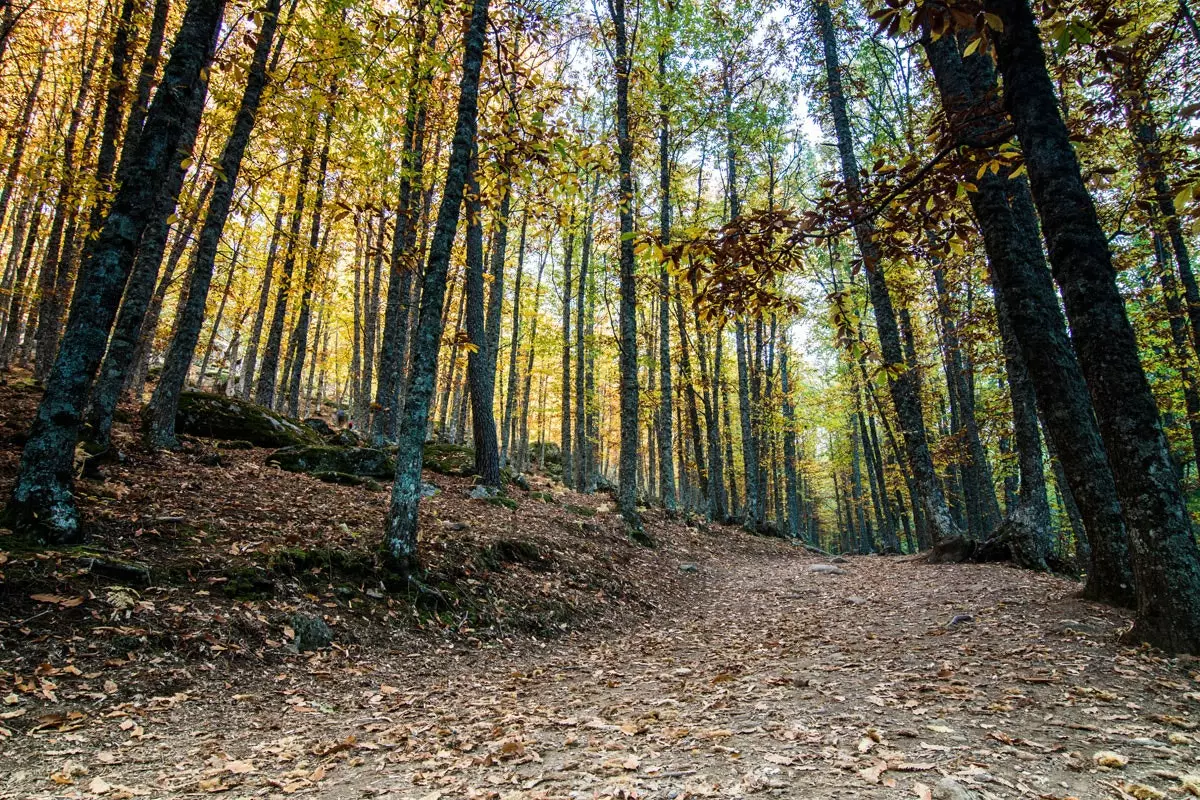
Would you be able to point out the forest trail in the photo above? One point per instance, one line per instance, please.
(769, 679)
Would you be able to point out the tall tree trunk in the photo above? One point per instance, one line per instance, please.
(1166, 560)
(400, 534)
(372, 277)
(565, 442)
(481, 375)
(583, 444)
(43, 504)
(523, 457)
(689, 392)
(665, 443)
(264, 390)
(20, 140)
(53, 279)
(119, 61)
(750, 471)
(1182, 348)
(789, 448)
(312, 258)
(984, 511)
(403, 264)
(264, 296)
(164, 404)
(508, 425)
(902, 379)
(1005, 214)
(151, 56)
(627, 472)
(17, 303)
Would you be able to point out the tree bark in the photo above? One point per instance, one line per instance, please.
(43, 504)
(400, 534)
(627, 466)
(481, 373)
(1166, 561)
(1005, 214)
(160, 415)
(902, 379)
(264, 390)
(312, 258)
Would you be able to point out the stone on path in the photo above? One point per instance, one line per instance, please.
(950, 789)
(826, 569)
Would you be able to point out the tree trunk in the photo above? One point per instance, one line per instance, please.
(400, 534)
(902, 379)
(481, 373)
(508, 425)
(665, 444)
(304, 318)
(164, 403)
(627, 472)
(523, 457)
(53, 279)
(565, 442)
(583, 444)
(1166, 561)
(43, 504)
(264, 296)
(264, 390)
(1006, 217)
(403, 265)
(750, 471)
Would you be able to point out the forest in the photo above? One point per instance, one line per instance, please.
(899, 284)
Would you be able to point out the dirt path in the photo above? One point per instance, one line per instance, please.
(774, 680)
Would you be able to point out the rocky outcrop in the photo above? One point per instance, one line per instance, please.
(216, 416)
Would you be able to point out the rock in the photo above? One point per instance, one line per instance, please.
(857, 601)
(950, 789)
(449, 459)
(454, 525)
(955, 550)
(311, 633)
(839, 560)
(129, 573)
(520, 481)
(429, 490)
(346, 437)
(826, 569)
(688, 568)
(247, 583)
(959, 619)
(363, 462)
(209, 459)
(512, 551)
(553, 453)
(319, 427)
(482, 492)
(216, 416)
(346, 479)
(1073, 627)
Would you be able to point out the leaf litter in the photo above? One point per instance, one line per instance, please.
(595, 669)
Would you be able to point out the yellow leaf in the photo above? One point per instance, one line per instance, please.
(972, 46)
(1182, 198)
(1107, 758)
(994, 22)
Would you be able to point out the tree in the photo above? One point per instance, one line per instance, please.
(43, 504)
(400, 534)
